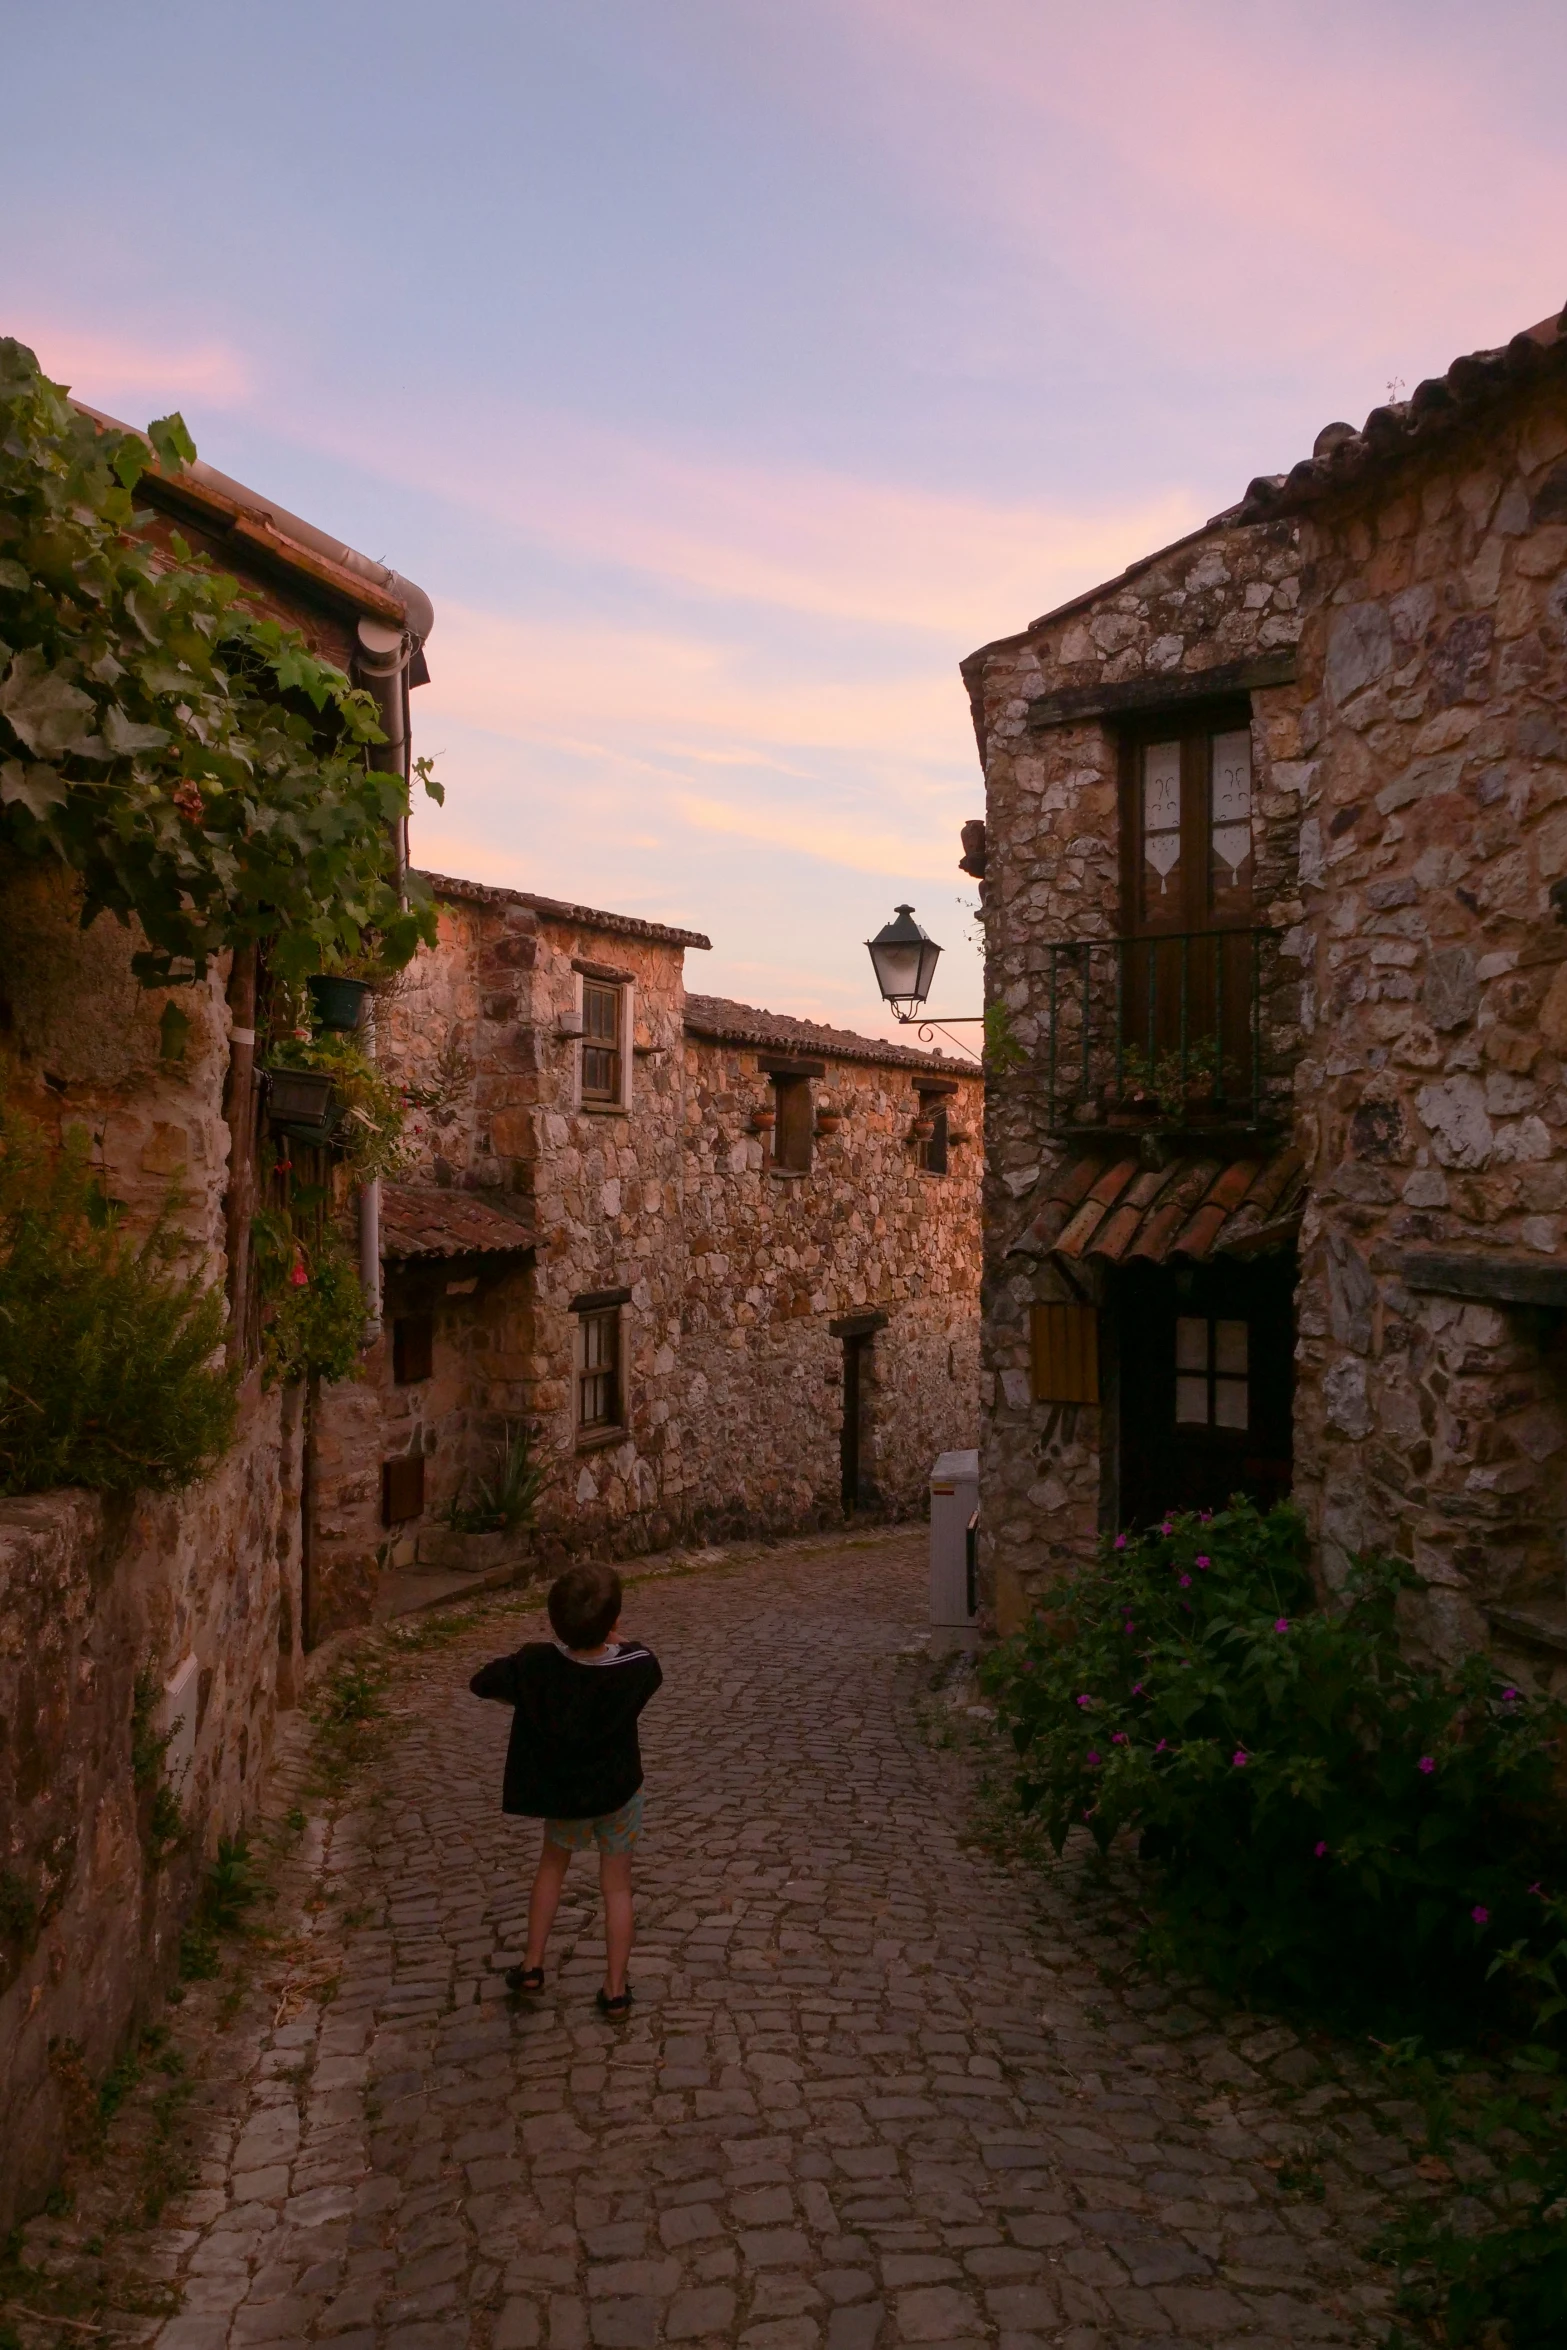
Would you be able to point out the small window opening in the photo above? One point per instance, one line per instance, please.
(933, 1146)
(794, 1118)
(1212, 1376)
(602, 1012)
(413, 1348)
(599, 1402)
(402, 1489)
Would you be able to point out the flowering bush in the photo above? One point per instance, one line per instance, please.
(1329, 1822)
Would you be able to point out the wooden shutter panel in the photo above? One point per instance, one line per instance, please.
(1065, 1344)
(402, 1488)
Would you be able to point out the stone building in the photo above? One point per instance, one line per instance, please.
(185, 1607)
(1274, 861)
(721, 1264)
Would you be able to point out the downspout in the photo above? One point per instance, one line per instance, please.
(382, 667)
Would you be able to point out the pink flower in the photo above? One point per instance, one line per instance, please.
(1093, 1758)
(1240, 1758)
(1128, 1626)
(1482, 1917)
(1118, 1738)
(1509, 1696)
(1426, 1764)
(1137, 1689)
(298, 1277)
(1085, 1699)
(1535, 1889)
(1320, 1850)
(1281, 1623)
(1186, 1582)
(1203, 1562)
(1163, 1743)
(1120, 1542)
(1167, 1528)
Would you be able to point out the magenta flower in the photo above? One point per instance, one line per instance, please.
(1482, 1917)
(1320, 1850)
(1118, 1737)
(1203, 1562)
(1509, 1696)
(1186, 1582)
(1281, 1623)
(1085, 1699)
(1137, 1689)
(1427, 1764)
(1120, 1542)
(1093, 1758)
(1535, 1889)
(1240, 1758)
(1167, 1528)
(1163, 1743)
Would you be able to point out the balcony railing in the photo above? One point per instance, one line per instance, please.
(1157, 1033)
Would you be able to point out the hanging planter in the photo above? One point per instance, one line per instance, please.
(922, 1129)
(338, 1003)
(763, 1121)
(828, 1122)
(302, 1102)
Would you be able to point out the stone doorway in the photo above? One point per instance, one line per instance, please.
(1205, 1368)
(857, 1484)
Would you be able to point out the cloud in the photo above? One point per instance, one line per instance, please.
(102, 368)
(811, 833)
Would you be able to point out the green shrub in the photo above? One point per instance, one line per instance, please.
(107, 1376)
(312, 1301)
(502, 1502)
(1328, 1822)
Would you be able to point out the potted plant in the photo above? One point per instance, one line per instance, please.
(302, 1102)
(922, 1129)
(763, 1121)
(338, 1000)
(828, 1122)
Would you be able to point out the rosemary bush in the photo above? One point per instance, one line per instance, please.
(107, 1370)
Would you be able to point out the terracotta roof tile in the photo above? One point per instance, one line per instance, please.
(490, 893)
(779, 1032)
(420, 1222)
(1102, 1207)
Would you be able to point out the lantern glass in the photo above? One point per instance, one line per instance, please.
(904, 960)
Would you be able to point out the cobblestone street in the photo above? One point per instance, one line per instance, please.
(867, 2096)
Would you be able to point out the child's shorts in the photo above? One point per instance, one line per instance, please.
(612, 1831)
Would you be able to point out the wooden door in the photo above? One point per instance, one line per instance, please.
(1206, 1375)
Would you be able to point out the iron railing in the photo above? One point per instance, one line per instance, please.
(1160, 1032)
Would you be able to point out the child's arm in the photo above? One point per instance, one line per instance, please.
(498, 1680)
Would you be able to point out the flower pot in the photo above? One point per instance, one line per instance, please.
(338, 1003)
(922, 1129)
(828, 1122)
(763, 1121)
(302, 1102)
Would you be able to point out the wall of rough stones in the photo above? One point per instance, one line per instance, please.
(1434, 1091)
(94, 1596)
(1226, 597)
(734, 1273)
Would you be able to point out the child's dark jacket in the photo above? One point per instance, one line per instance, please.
(574, 1753)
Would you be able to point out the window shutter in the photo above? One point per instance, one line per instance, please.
(1065, 1345)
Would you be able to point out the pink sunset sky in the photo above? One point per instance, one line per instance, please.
(727, 369)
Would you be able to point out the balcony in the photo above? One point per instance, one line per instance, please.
(1168, 1035)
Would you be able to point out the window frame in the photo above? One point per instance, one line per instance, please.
(794, 1124)
(1198, 905)
(413, 1344)
(608, 1317)
(1214, 1377)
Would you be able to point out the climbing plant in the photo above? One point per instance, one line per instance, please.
(191, 761)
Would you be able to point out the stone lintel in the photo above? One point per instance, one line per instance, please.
(1134, 694)
(1494, 1278)
(859, 1325)
(597, 1301)
(789, 1065)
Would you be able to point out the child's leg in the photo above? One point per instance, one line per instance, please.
(544, 1900)
(615, 1885)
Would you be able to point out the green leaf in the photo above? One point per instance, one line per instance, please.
(172, 442)
(38, 789)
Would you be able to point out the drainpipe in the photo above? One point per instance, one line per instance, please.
(382, 666)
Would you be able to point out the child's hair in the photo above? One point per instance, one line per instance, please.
(584, 1604)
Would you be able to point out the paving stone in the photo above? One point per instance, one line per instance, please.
(874, 2091)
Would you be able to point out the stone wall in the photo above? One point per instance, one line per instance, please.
(1222, 604)
(1434, 1092)
(733, 1274)
(199, 1589)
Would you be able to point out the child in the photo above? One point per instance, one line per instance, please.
(574, 1761)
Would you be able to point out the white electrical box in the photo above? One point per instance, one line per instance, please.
(954, 1526)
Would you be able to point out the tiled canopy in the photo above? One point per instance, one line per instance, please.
(1116, 1210)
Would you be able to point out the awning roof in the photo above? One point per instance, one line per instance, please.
(1112, 1209)
(416, 1222)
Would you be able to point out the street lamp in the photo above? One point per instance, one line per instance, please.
(904, 959)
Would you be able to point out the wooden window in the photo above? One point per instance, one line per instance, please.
(794, 1117)
(402, 1489)
(599, 1399)
(603, 1013)
(413, 1348)
(1065, 1350)
(1187, 840)
(1212, 1373)
(933, 1146)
